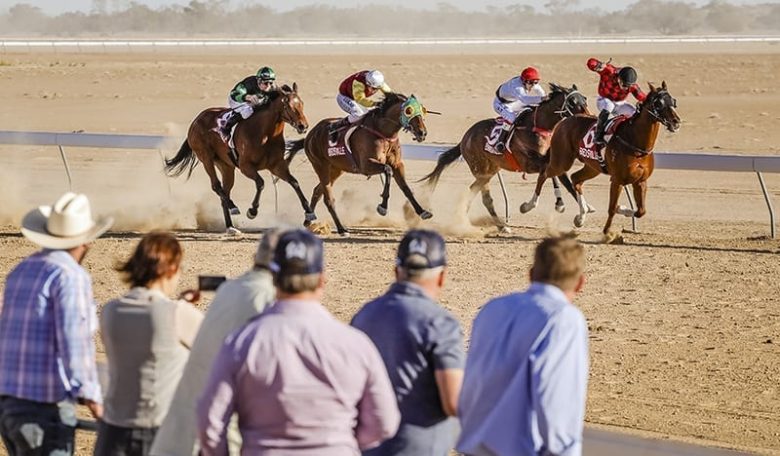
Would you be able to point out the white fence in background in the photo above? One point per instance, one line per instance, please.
(663, 160)
(118, 44)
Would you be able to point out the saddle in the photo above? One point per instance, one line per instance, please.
(588, 147)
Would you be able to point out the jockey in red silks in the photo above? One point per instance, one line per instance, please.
(614, 87)
(355, 97)
(515, 96)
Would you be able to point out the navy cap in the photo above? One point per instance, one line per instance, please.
(298, 252)
(421, 249)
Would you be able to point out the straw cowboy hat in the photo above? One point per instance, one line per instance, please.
(66, 224)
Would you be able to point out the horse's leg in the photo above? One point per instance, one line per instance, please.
(228, 179)
(559, 206)
(640, 193)
(399, 174)
(387, 170)
(487, 201)
(282, 171)
(224, 199)
(614, 195)
(248, 170)
(316, 194)
(532, 203)
(578, 178)
(330, 200)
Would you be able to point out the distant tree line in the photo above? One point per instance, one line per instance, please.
(558, 18)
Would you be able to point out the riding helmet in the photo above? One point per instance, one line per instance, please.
(375, 79)
(627, 75)
(530, 74)
(266, 74)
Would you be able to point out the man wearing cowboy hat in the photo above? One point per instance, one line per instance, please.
(48, 319)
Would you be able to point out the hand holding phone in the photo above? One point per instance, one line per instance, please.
(210, 282)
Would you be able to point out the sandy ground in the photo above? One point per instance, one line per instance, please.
(684, 320)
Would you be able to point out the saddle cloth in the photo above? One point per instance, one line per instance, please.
(342, 146)
(492, 138)
(588, 147)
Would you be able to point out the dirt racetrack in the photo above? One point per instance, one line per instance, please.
(684, 316)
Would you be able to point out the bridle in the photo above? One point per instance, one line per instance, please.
(653, 108)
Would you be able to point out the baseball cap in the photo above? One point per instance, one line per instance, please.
(421, 249)
(298, 252)
(265, 248)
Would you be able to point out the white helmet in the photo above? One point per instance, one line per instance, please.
(375, 79)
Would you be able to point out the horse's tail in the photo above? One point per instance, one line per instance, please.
(292, 148)
(445, 160)
(183, 160)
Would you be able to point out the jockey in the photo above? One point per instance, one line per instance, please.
(354, 98)
(252, 91)
(614, 87)
(515, 96)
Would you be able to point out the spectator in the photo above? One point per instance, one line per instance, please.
(301, 381)
(234, 304)
(527, 368)
(147, 338)
(48, 319)
(422, 347)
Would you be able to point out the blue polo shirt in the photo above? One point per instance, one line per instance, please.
(415, 336)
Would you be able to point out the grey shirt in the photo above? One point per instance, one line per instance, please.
(415, 336)
(147, 338)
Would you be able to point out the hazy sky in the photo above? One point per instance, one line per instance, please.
(60, 6)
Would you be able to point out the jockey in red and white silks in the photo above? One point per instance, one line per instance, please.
(515, 96)
(355, 97)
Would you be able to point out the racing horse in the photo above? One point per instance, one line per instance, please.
(259, 142)
(527, 145)
(370, 146)
(628, 156)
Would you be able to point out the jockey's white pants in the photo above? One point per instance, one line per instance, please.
(508, 111)
(351, 107)
(245, 108)
(615, 108)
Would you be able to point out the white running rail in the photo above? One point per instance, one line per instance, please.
(663, 160)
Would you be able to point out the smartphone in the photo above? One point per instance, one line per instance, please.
(210, 282)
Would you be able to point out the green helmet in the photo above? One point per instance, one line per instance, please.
(266, 74)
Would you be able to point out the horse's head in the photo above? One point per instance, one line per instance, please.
(567, 101)
(412, 118)
(292, 108)
(661, 105)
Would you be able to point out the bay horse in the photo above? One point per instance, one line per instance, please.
(259, 141)
(375, 150)
(527, 146)
(628, 156)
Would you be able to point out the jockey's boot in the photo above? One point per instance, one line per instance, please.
(225, 126)
(335, 127)
(601, 125)
(502, 137)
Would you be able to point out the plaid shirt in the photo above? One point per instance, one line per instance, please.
(609, 86)
(47, 321)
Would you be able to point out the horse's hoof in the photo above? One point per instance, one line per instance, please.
(233, 231)
(309, 217)
(613, 238)
(560, 208)
(591, 209)
(235, 211)
(527, 207)
(251, 213)
(504, 230)
(425, 215)
(579, 220)
(344, 233)
(381, 210)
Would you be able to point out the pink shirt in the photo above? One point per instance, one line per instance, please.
(301, 383)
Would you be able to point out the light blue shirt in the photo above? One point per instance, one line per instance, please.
(526, 377)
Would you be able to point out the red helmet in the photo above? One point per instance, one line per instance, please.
(530, 74)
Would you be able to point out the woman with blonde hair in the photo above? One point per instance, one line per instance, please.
(147, 337)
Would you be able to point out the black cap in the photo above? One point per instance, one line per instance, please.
(421, 249)
(298, 252)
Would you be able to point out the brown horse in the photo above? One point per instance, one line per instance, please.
(375, 150)
(527, 144)
(259, 141)
(628, 155)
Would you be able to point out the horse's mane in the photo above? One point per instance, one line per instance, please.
(558, 89)
(391, 99)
